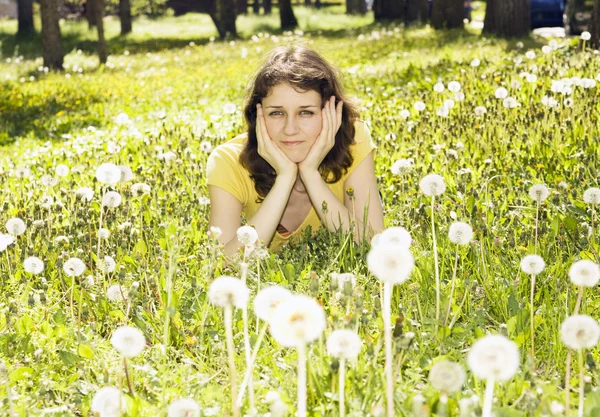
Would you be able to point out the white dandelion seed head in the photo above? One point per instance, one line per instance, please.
(226, 290)
(85, 193)
(532, 264)
(33, 265)
(22, 173)
(108, 402)
(62, 170)
(539, 192)
(140, 188)
(449, 104)
(480, 110)
(107, 264)
(586, 36)
(48, 180)
(121, 119)
(438, 87)
(460, 233)
(116, 293)
(442, 111)
(432, 185)
(501, 93)
(510, 102)
(396, 235)
(530, 55)
(454, 86)
(229, 108)
(405, 114)
(247, 235)
(297, 321)
(268, 299)
(447, 376)
(103, 233)
(344, 344)
(215, 231)
(556, 408)
(591, 196)
(460, 96)
(375, 239)
(74, 267)
(343, 278)
(401, 166)
(183, 407)
(205, 146)
(126, 173)
(580, 331)
(584, 273)
(111, 199)
(419, 106)
(128, 341)
(108, 174)
(15, 226)
(390, 263)
(494, 356)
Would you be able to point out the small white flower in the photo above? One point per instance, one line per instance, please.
(74, 267)
(494, 356)
(108, 402)
(405, 114)
(420, 106)
(22, 173)
(510, 103)
(586, 36)
(15, 226)
(107, 264)
(247, 235)
(449, 104)
(592, 196)
(454, 86)
(579, 331)
(531, 78)
(126, 173)
(121, 119)
(556, 408)
(268, 299)
(546, 49)
(475, 62)
(401, 166)
(532, 264)
(501, 93)
(108, 174)
(432, 185)
(215, 231)
(480, 110)
(442, 111)
(397, 236)
(116, 293)
(438, 88)
(390, 263)
(184, 407)
(140, 188)
(85, 192)
(226, 290)
(584, 273)
(128, 341)
(33, 265)
(343, 278)
(297, 321)
(530, 55)
(103, 233)
(48, 180)
(539, 192)
(460, 96)
(205, 146)
(344, 344)
(229, 108)
(447, 376)
(62, 170)
(460, 233)
(111, 199)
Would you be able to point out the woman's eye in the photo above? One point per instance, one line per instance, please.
(274, 113)
(308, 112)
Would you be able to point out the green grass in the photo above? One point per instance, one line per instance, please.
(174, 98)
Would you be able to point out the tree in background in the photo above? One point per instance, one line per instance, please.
(286, 15)
(25, 17)
(595, 29)
(356, 6)
(448, 14)
(224, 18)
(51, 38)
(90, 13)
(507, 18)
(125, 16)
(417, 12)
(410, 11)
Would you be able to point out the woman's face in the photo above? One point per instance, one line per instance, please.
(293, 119)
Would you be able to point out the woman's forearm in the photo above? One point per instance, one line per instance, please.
(268, 215)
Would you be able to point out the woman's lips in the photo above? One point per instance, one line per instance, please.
(296, 143)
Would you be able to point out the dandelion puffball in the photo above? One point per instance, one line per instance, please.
(460, 233)
(532, 264)
(74, 267)
(344, 344)
(390, 263)
(111, 199)
(108, 402)
(247, 235)
(128, 341)
(585, 35)
(5, 240)
(226, 290)
(108, 174)
(15, 226)
(447, 376)
(539, 192)
(268, 299)
(33, 265)
(454, 86)
(501, 93)
(183, 407)
(419, 106)
(397, 236)
(432, 185)
(107, 264)
(116, 293)
(494, 356)
(579, 331)
(62, 170)
(401, 166)
(592, 196)
(126, 173)
(584, 273)
(297, 321)
(85, 193)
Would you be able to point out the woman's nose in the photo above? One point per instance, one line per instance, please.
(291, 126)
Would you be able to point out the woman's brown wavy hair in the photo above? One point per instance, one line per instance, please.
(303, 69)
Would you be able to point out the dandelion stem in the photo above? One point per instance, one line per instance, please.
(250, 368)
(387, 331)
(247, 340)
(301, 380)
(232, 372)
(127, 377)
(452, 288)
(489, 398)
(531, 319)
(537, 216)
(581, 384)
(437, 269)
(342, 388)
(8, 263)
(462, 302)
(568, 363)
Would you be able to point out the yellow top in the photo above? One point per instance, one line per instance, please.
(225, 171)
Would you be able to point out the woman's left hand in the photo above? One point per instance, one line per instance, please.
(331, 121)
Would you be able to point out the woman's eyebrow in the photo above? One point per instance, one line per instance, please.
(281, 107)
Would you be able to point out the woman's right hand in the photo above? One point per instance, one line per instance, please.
(270, 151)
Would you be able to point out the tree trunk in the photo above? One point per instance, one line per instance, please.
(448, 14)
(268, 6)
(286, 15)
(51, 39)
(256, 7)
(318, 4)
(242, 7)
(225, 18)
(308, 3)
(362, 7)
(351, 6)
(99, 9)
(90, 13)
(507, 18)
(595, 29)
(125, 15)
(25, 17)
(417, 12)
(388, 10)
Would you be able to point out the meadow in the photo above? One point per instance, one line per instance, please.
(492, 117)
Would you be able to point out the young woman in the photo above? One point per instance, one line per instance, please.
(306, 158)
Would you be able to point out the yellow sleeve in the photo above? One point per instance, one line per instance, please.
(363, 146)
(223, 170)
